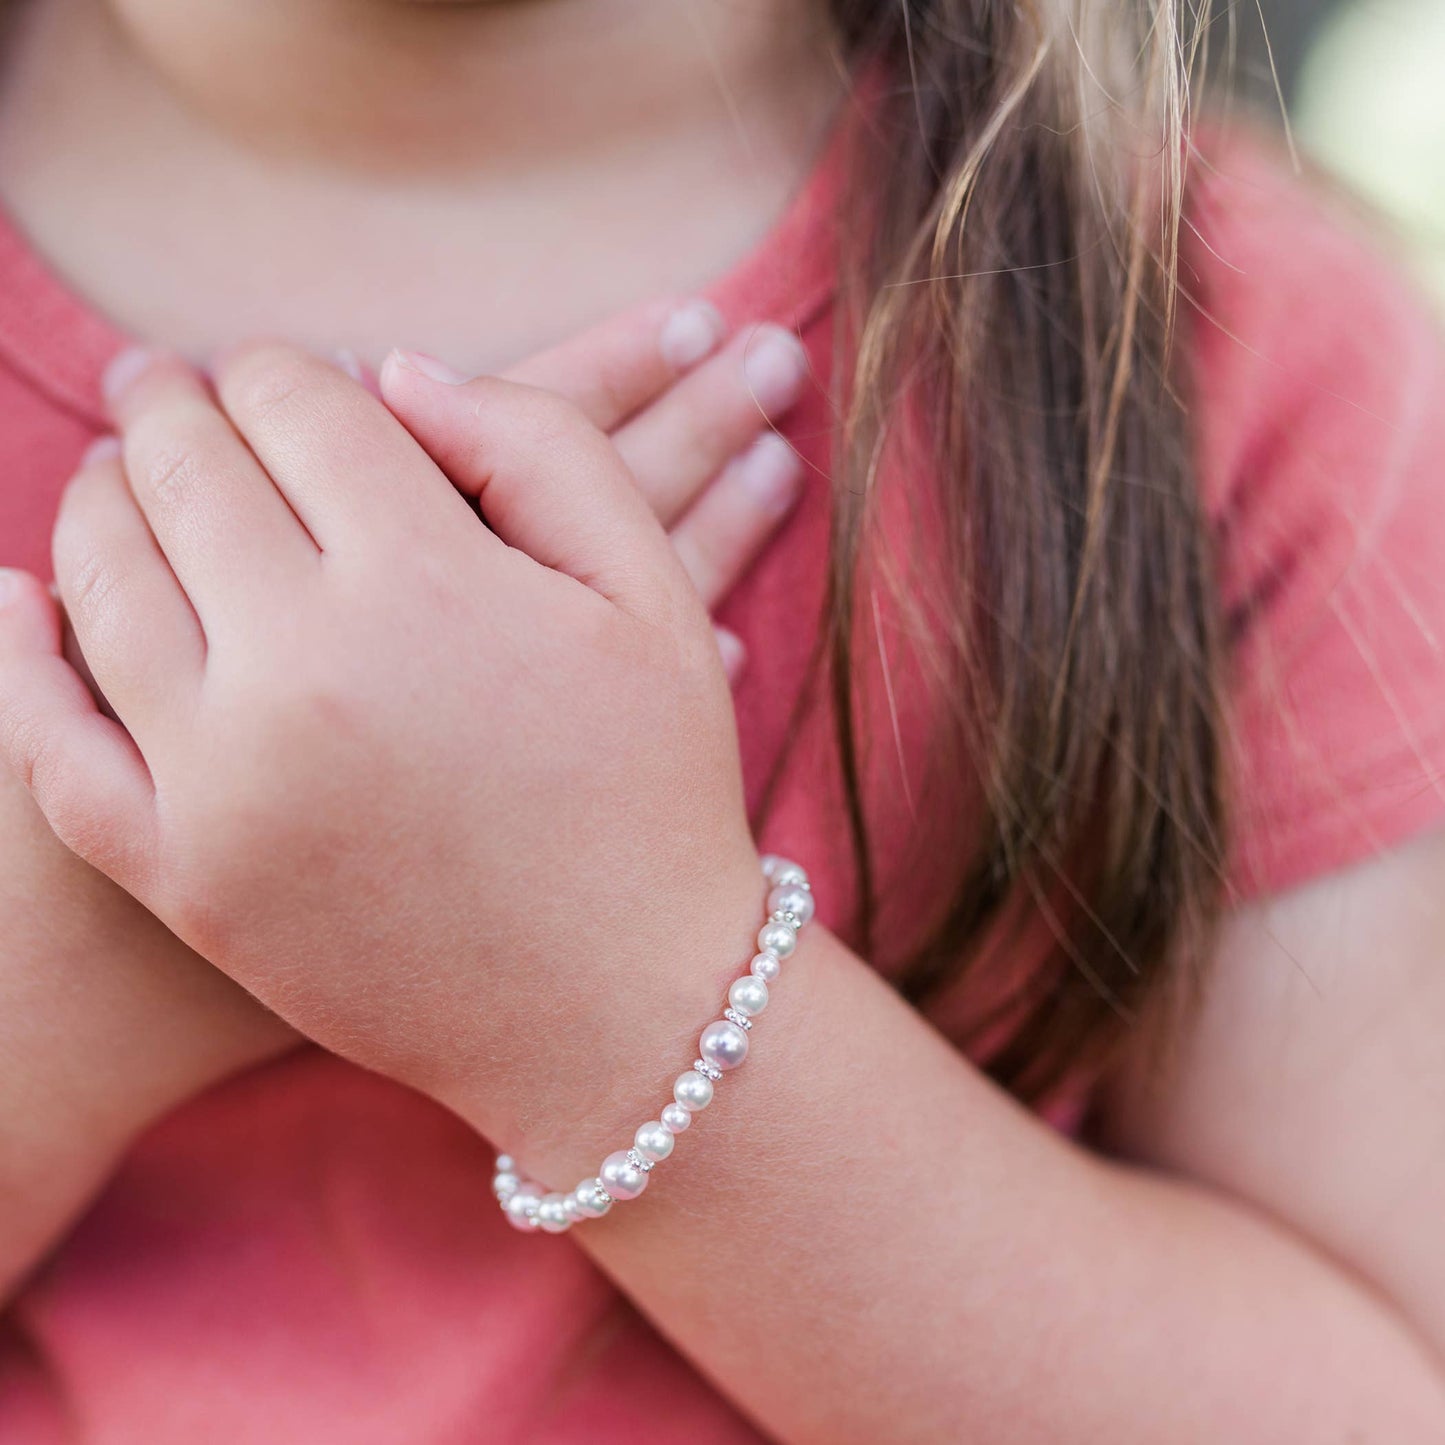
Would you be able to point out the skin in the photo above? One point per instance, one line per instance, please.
(1257, 1259)
(121, 141)
(403, 141)
(1095, 1299)
(108, 1020)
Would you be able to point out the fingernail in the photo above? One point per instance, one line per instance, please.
(124, 369)
(771, 471)
(774, 366)
(102, 449)
(731, 650)
(428, 366)
(350, 363)
(691, 332)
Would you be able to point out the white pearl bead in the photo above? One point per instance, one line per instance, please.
(572, 1209)
(620, 1177)
(693, 1091)
(794, 900)
(676, 1118)
(552, 1214)
(521, 1208)
(748, 995)
(653, 1140)
(770, 864)
(590, 1200)
(505, 1184)
(777, 938)
(765, 966)
(723, 1044)
(505, 1164)
(787, 875)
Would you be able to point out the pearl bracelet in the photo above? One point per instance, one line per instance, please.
(723, 1046)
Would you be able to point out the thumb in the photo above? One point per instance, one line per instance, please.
(82, 768)
(547, 480)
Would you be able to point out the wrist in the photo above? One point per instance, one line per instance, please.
(723, 1044)
(616, 1031)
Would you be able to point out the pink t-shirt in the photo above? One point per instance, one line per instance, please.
(309, 1254)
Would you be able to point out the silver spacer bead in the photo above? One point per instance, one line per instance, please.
(599, 1196)
(708, 1070)
(638, 1162)
(734, 1017)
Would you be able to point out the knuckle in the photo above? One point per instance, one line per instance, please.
(513, 420)
(90, 583)
(554, 414)
(167, 462)
(532, 415)
(39, 761)
(22, 742)
(264, 379)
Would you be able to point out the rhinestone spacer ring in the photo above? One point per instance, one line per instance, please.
(723, 1046)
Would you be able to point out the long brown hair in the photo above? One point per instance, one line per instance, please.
(1022, 161)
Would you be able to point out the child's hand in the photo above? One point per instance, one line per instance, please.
(436, 795)
(692, 423)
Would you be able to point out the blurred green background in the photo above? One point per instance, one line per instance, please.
(1363, 86)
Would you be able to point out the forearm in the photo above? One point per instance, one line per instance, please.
(864, 1240)
(105, 1025)
(82, 1073)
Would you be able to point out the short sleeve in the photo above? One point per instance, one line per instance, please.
(1318, 394)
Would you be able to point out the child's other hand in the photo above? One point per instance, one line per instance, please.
(444, 797)
(691, 418)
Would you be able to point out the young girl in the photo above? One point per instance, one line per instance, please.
(1095, 681)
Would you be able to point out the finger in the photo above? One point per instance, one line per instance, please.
(224, 528)
(82, 769)
(679, 442)
(343, 462)
(548, 481)
(133, 623)
(734, 655)
(613, 370)
(726, 527)
(70, 651)
(354, 367)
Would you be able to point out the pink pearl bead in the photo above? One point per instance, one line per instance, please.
(620, 1177)
(765, 966)
(723, 1044)
(797, 901)
(516, 1208)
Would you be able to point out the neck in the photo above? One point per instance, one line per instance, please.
(430, 86)
(367, 173)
